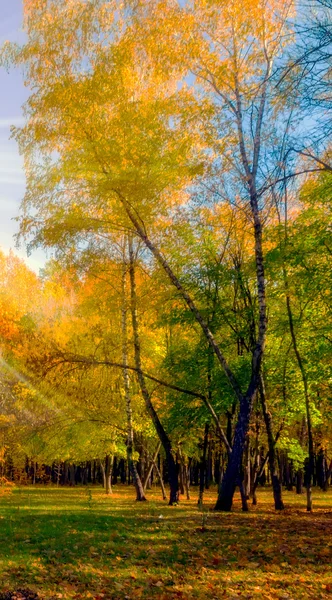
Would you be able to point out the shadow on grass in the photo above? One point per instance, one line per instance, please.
(82, 544)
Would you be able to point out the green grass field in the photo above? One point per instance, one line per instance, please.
(78, 543)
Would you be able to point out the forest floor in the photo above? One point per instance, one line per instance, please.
(80, 544)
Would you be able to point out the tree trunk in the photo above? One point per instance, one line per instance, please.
(107, 473)
(102, 466)
(328, 476)
(256, 465)
(140, 495)
(208, 467)
(72, 472)
(180, 474)
(276, 485)
(311, 460)
(244, 499)
(233, 470)
(185, 477)
(58, 473)
(299, 481)
(247, 469)
(260, 473)
(160, 480)
(152, 464)
(202, 468)
(164, 439)
(229, 427)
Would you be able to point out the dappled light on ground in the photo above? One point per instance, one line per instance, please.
(78, 543)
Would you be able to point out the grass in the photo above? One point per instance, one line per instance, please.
(78, 543)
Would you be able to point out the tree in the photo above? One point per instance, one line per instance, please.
(180, 108)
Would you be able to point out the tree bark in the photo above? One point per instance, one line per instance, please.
(107, 473)
(247, 469)
(256, 464)
(164, 439)
(233, 470)
(311, 461)
(202, 467)
(140, 495)
(276, 485)
(163, 491)
(152, 464)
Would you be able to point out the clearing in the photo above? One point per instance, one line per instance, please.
(77, 543)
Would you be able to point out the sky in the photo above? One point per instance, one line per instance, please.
(12, 181)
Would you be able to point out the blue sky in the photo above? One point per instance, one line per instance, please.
(12, 96)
